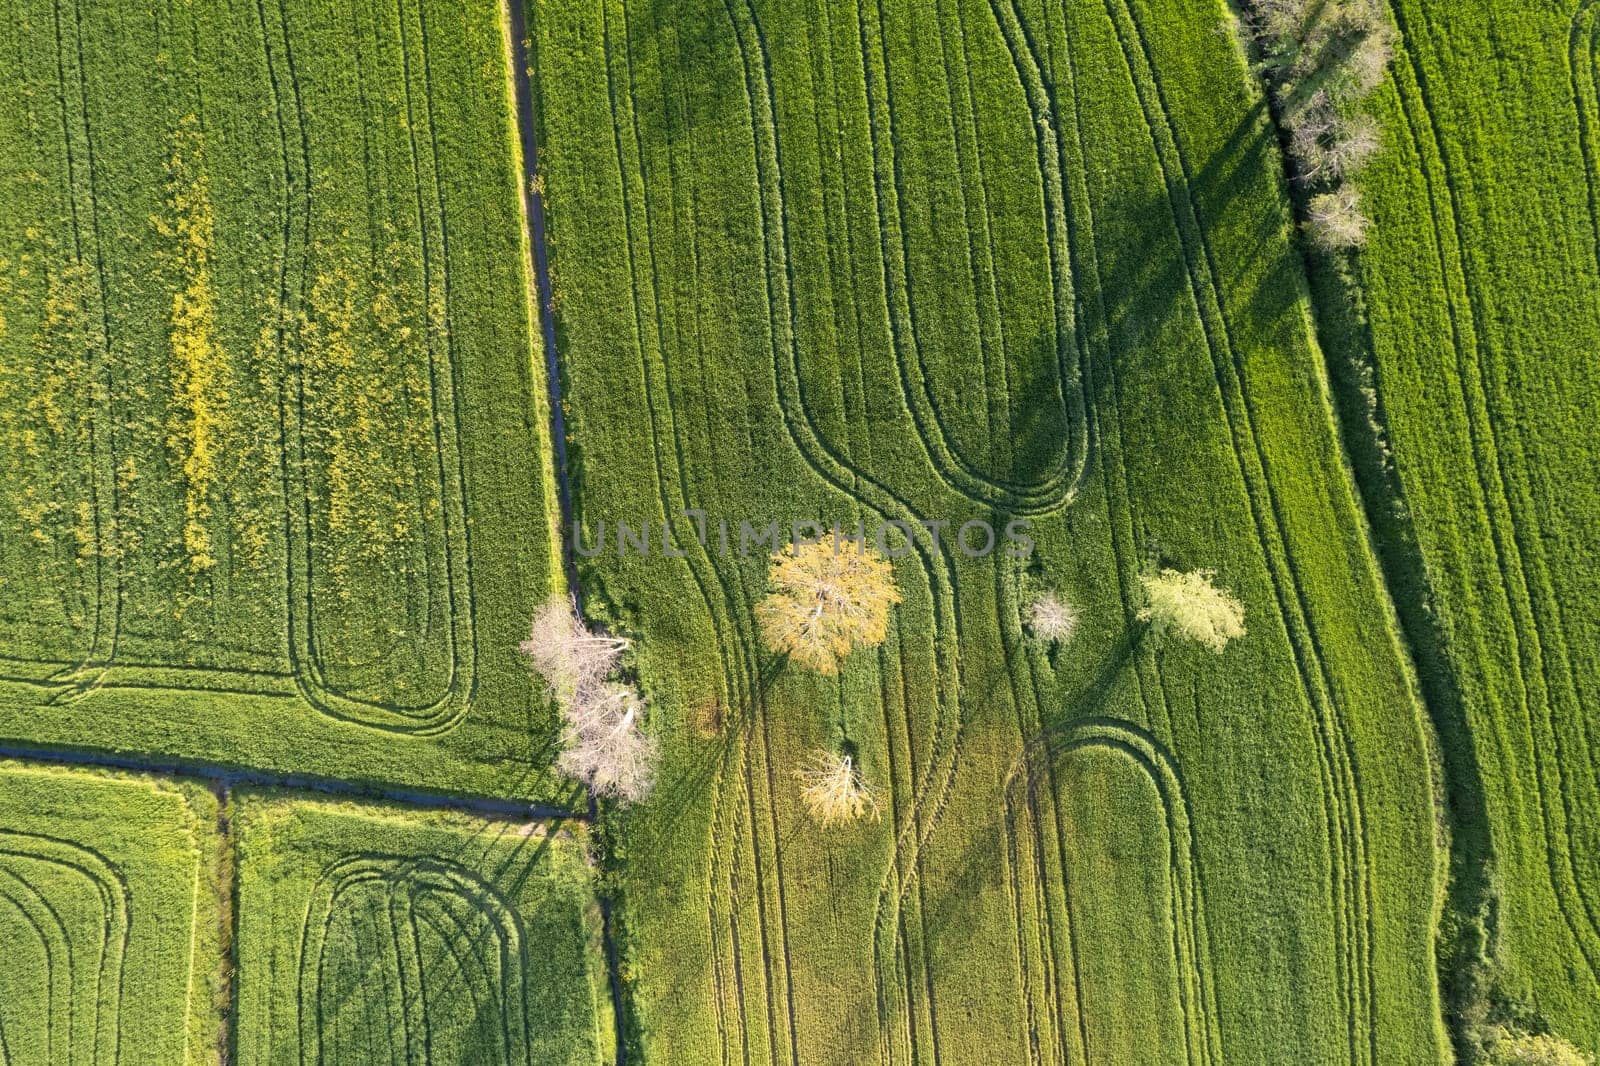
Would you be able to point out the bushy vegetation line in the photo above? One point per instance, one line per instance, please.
(1463, 321)
(371, 929)
(731, 232)
(269, 427)
(1350, 136)
(108, 909)
(1323, 59)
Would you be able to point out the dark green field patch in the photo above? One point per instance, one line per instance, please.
(370, 934)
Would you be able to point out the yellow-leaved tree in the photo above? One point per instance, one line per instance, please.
(834, 790)
(827, 597)
(1191, 606)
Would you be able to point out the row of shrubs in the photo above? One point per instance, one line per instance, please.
(1323, 59)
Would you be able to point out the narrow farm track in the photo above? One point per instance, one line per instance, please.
(1190, 938)
(89, 984)
(1582, 50)
(1314, 674)
(420, 936)
(1032, 784)
(748, 799)
(86, 245)
(1065, 474)
(403, 887)
(1470, 322)
(78, 284)
(1341, 781)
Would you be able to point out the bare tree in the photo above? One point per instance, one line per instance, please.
(605, 745)
(834, 791)
(1050, 620)
(1334, 220)
(1324, 59)
(1353, 142)
(603, 740)
(1191, 606)
(1512, 1047)
(566, 652)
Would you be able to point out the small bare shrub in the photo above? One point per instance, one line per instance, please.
(1512, 1047)
(834, 791)
(1050, 620)
(1334, 220)
(827, 598)
(1192, 607)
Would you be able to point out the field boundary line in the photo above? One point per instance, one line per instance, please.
(220, 774)
(1539, 681)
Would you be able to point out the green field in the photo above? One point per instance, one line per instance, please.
(960, 260)
(284, 476)
(1481, 282)
(273, 477)
(373, 934)
(110, 916)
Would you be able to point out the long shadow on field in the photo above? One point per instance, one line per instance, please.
(686, 791)
(491, 1013)
(1149, 266)
(984, 858)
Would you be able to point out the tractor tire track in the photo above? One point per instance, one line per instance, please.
(105, 982)
(1190, 938)
(1351, 879)
(1061, 485)
(440, 714)
(739, 668)
(103, 492)
(920, 819)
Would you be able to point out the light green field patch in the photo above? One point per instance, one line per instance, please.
(273, 462)
(1481, 282)
(109, 915)
(370, 934)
